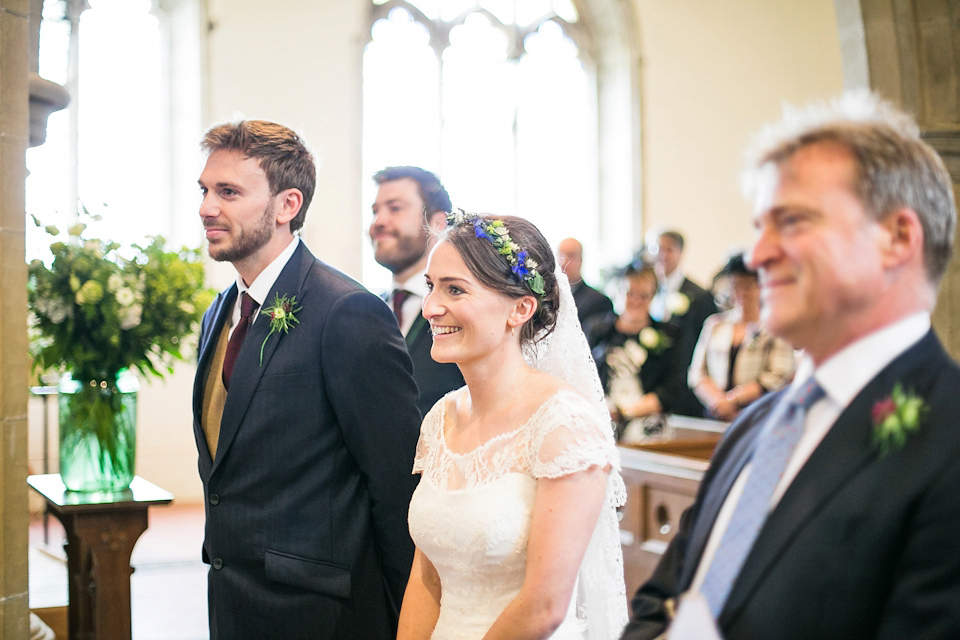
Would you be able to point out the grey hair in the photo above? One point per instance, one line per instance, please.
(895, 168)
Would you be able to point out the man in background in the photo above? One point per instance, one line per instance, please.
(683, 304)
(592, 305)
(410, 209)
(830, 509)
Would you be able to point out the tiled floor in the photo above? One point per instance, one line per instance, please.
(168, 589)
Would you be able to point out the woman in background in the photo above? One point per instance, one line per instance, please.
(637, 358)
(736, 361)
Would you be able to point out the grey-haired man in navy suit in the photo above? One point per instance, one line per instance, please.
(854, 534)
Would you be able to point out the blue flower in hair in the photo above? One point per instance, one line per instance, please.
(520, 268)
(479, 230)
(495, 232)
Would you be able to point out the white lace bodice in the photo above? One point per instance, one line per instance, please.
(471, 513)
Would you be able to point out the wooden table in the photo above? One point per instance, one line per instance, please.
(102, 527)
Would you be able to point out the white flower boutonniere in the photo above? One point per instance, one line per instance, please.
(282, 314)
(895, 418)
(653, 339)
(678, 303)
(650, 338)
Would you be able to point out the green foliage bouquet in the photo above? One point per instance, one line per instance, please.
(97, 311)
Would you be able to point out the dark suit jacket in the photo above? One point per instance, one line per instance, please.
(658, 373)
(592, 305)
(306, 501)
(861, 545)
(434, 379)
(688, 326)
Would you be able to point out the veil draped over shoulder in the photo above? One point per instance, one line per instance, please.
(601, 593)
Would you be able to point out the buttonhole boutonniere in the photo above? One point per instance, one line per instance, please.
(653, 340)
(678, 303)
(895, 418)
(282, 314)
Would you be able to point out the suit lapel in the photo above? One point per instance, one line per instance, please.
(249, 368)
(220, 311)
(844, 452)
(729, 462)
(417, 329)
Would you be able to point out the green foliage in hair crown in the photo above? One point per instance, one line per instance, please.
(524, 268)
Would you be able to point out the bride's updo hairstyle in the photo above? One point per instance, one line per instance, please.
(476, 239)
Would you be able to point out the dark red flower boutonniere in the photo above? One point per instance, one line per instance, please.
(895, 418)
(282, 314)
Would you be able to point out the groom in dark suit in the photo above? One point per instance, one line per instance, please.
(410, 209)
(304, 414)
(831, 510)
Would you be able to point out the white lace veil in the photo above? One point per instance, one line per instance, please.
(601, 594)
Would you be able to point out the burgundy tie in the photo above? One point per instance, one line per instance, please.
(248, 306)
(399, 295)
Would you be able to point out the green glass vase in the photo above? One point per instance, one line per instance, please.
(98, 432)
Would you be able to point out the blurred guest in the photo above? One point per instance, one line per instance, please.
(683, 304)
(410, 209)
(637, 357)
(736, 361)
(592, 305)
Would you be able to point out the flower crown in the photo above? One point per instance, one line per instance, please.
(523, 267)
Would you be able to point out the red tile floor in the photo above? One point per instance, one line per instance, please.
(168, 589)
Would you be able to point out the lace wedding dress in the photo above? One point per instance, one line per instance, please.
(471, 517)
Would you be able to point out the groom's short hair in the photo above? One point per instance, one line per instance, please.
(282, 155)
(435, 197)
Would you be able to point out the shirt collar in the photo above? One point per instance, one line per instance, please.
(260, 288)
(673, 281)
(415, 284)
(847, 372)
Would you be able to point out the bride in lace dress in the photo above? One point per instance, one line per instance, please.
(514, 517)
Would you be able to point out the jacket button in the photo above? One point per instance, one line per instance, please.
(217, 564)
(214, 498)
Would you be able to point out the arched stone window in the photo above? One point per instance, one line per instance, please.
(132, 70)
(514, 104)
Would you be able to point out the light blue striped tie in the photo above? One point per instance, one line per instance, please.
(774, 447)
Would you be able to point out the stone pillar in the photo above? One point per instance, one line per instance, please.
(913, 59)
(14, 99)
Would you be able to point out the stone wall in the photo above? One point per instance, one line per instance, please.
(913, 59)
(13, 326)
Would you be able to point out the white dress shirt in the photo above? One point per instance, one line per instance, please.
(659, 309)
(259, 289)
(416, 287)
(842, 377)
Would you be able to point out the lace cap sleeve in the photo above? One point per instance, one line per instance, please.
(430, 430)
(569, 437)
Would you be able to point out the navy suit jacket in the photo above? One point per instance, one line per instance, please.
(306, 500)
(861, 546)
(592, 305)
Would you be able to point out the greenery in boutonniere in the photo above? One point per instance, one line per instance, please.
(282, 314)
(654, 340)
(895, 418)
